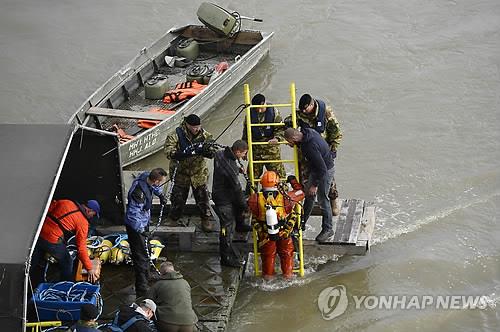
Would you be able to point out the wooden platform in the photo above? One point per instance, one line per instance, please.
(353, 229)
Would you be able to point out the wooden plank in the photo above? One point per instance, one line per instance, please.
(368, 223)
(111, 112)
(344, 237)
(341, 221)
(356, 222)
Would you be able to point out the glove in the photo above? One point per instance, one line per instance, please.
(179, 156)
(163, 200)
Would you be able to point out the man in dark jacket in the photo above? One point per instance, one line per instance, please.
(320, 161)
(172, 294)
(140, 200)
(229, 199)
(135, 318)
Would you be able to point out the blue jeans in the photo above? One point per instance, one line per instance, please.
(323, 200)
(59, 252)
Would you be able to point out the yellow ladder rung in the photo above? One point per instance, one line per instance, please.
(267, 143)
(269, 105)
(270, 124)
(273, 161)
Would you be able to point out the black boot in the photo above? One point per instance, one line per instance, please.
(227, 255)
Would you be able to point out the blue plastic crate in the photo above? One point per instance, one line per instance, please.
(64, 309)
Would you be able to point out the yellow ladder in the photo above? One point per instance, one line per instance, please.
(251, 161)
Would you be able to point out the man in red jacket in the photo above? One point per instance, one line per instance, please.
(65, 219)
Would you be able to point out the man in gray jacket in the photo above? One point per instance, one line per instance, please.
(172, 295)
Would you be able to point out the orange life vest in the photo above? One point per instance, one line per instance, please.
(151, 123)
(183, 91)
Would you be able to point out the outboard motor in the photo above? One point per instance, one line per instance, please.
(220, 20)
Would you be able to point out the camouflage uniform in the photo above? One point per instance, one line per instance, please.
(266, 152)
(332, 135)
(189, 172)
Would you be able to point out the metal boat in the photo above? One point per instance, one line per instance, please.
(120, 102)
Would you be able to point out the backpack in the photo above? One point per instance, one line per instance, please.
(115, 327)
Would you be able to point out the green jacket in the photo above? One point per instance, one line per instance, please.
(332, 133)
(195, 167)
(172, 295)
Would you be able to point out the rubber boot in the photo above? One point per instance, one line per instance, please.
(268, 255)
(333, 194)
(227, 255)
(335, 207)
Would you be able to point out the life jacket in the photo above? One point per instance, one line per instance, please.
(61, 210)
(183, 91)
(122, 135)
(141, 181)
(320, 125)
(151, 123)
(259, 133)
(185, 143)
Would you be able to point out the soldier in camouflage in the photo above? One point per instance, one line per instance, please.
(187, 149)
(270, 134)
(316, 114)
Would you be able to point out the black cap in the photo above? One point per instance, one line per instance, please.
(304, 101)
(193, 120)
(258, 99)
(88, 312)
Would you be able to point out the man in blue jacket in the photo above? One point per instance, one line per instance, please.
(320, 160)
(140, 200)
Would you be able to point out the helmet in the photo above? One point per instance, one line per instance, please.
(269, 180)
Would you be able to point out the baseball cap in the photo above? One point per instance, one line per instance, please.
(148, 303)
(94, 205)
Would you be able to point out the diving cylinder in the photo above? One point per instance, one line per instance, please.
(271, 220)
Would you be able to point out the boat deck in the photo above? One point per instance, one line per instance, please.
(137, 102)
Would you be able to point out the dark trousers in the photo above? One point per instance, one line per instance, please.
(179, 196)
(140, 258)
(229, 214)
(39, 263)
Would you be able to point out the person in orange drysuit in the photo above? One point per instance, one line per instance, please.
(274, 220)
